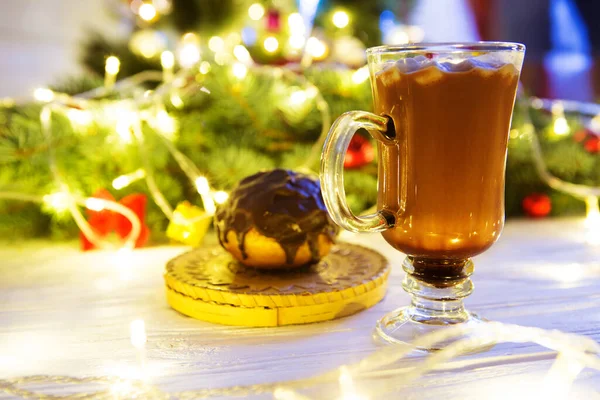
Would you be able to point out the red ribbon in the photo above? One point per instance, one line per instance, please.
(104, 222)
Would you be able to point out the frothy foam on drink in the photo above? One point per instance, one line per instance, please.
(429, 70)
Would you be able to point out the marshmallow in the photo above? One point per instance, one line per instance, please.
(461, 66)
(428, 71)
(389, 75)
(428, 75)
(407, 65)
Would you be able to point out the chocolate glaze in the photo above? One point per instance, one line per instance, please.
(284, 205)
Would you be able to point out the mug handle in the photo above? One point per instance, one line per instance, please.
(332, 170)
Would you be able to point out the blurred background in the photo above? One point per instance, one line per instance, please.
(41, 41)
(226, 88)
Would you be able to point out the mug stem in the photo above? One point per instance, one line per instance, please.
(437, 288)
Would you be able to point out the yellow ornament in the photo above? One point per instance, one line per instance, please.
(189, 224)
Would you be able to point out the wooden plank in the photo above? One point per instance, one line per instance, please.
(67, 312)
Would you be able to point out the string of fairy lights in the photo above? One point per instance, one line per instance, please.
(127, 114)
(126, 117)
(571, 354)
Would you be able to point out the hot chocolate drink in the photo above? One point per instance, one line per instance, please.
(441, 121)
(442, 177)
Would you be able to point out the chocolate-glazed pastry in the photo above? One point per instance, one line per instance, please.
(276, 219)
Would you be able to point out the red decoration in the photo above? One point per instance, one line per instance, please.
(273, 20)
(592, 145)
(360, 152)
(537, 205)
(104, 222)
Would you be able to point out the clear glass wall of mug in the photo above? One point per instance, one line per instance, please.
(441, 121)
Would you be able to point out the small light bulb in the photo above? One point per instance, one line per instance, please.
(189, 55)
(239, 70)
(43, 94)
(271, 44)
(242, 54)
(79, 117)
(316, 48)
(340, 19)
(147, 12)
(165, 123)
(298, 97)
(296, 24)
(167, 59)
(216, 44)
(112, 65)
(592, 210)
(125, 180)
(220, 197)
(137, 332)
(123, 129)
(592, 221)
(121, 182)
(94, 204)
(297, 41)
(176, 101)
(202, 185)
(256, 11)
(59, 201)
(204, 67)
(561, 126)
(360, 75)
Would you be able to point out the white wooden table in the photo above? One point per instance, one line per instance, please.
(64, 312)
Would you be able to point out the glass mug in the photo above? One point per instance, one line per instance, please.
(441, 122)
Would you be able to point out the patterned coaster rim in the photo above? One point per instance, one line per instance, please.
(292, 295)
(226, 314)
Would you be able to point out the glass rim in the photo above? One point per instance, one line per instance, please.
(447, 47)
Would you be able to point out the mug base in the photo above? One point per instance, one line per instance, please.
(400, 327)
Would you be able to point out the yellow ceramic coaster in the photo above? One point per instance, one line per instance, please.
(209, 284)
